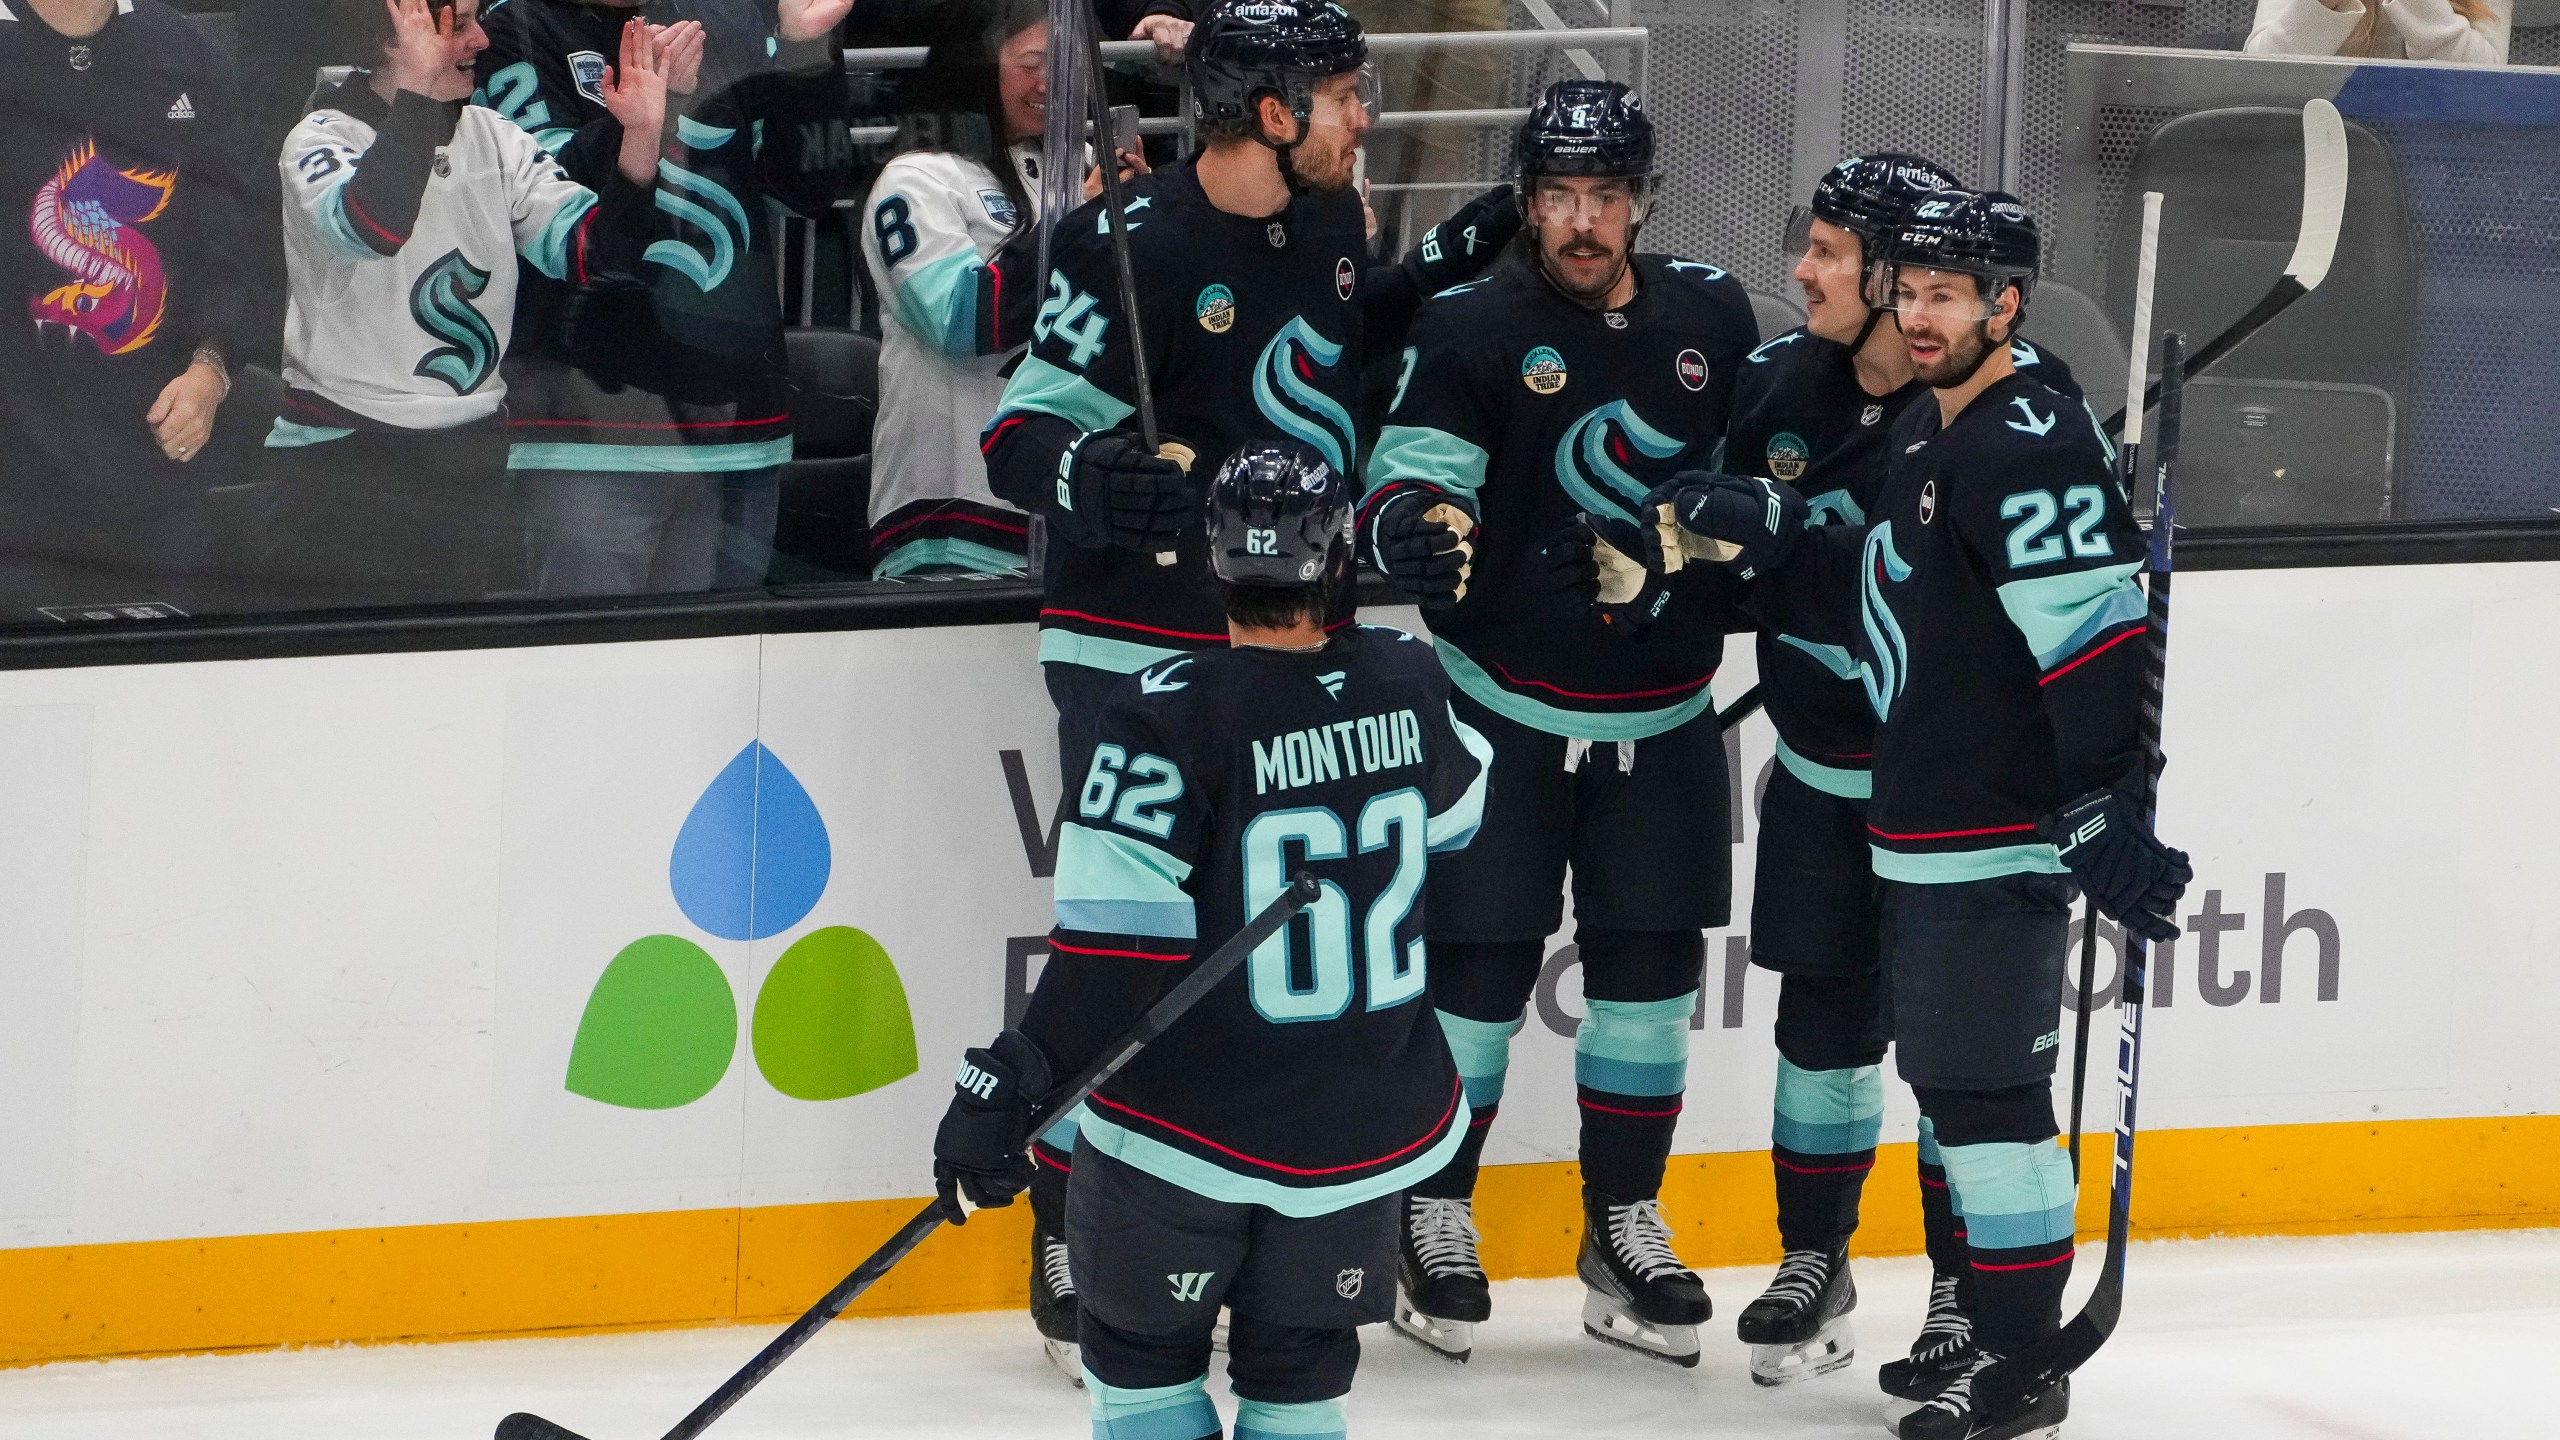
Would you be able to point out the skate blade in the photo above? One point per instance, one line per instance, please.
(1451, 1340)
(1832, 1348)
(1067, 1357)
(1603, 1321)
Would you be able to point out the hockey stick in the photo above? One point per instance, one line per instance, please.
(1740, 710)
(2324, 207)
(1169, 1008)
(2047, 1361)
(2146, 273)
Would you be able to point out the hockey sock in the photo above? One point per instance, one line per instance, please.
(1630, 1065)
(1483, 1052)
(2018, 1199)
(1941, 1226)
(1823, 1143)
(1304, 1420)
(1157, 1412)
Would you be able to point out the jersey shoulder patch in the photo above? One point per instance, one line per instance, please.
(1769, 349)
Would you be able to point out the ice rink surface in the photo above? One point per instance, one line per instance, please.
(2348, 1339)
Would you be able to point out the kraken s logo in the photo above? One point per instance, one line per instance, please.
(1284, 390)
(1592, 459)
(441, 304)
(1890, 670)
(712, 210)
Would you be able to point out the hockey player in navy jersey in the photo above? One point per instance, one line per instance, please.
(1251, 1157)
(1812, 409)
(1566, 384)
(1259, 302)
(1999, 640)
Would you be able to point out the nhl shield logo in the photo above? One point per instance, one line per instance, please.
(1871, 415)
(587, 69)
(1614, 320)
(1215, 309)
(1788, 456)
(1344, 277)
(1542, 370)
(1348, 1283)
(1928, 501)
(1277, 234)
(1692, 369)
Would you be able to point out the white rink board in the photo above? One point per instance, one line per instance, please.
(302, 944)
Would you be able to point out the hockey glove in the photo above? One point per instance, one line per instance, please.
(982, 1149)
(1751, 524)
(2133, 878)
(1423, 548)
(1458, 249)
(1611, 568)
(1112, 492)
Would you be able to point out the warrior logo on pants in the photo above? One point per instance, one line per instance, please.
(1190, 1284)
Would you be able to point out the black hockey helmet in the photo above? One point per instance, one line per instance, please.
(1244, 49)
(1867, 195)
(1987, 234)
(1278, 515)
(1586, 127)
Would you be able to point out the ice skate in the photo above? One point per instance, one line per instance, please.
(1799, 1327)
(1441, 1293)
(1941, 1352)
(1053, 1304)
(1641, 1296)
(1952, 1414)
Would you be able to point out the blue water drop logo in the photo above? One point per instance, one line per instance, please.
(753, 857)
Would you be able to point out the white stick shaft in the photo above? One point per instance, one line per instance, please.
(2146, 265)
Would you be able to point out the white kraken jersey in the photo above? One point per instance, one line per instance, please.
(412, 339)
(930, 231)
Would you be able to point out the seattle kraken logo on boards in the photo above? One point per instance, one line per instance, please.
(440, 302)
(1595, 451)
(1890, 670)
(707, 206)
(1284, 390)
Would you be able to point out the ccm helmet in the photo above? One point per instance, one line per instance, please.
(1868, 195)
(1278, 516)
(1986, 234)
(1245, 49)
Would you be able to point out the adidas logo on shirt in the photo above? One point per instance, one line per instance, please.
(183, 109)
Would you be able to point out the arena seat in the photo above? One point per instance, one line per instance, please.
(2070, 324)
(1776, 313)
(823, 532)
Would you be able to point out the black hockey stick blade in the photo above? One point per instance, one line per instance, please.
(1168, 1008)
(1740, 710)
(2324, 208)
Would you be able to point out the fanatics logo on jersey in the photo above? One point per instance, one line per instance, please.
(1343, 277)
(1692, 369)
(182, 108)
(1216, 309)
(1542, 370)
(1928, 501)
(1871, 415)
(587, 69)
(1788, 456)
(1348, 1283)
(999, 207)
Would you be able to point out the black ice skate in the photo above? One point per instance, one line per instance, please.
(1441, 1295)
(1943, 1350)
(1053, 1303)
(1952, 1415)
(1799, 1327)
(1641, 1296)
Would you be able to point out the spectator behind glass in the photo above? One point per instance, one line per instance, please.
(2470, 32)
(119, 300)
(649, 419)
(405, 212)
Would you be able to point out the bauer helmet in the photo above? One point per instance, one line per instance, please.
(1245, 49)
(1983, 233)
(1868, 195)
(1586, 127)
(1277, 516)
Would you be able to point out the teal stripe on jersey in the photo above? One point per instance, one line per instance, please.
(938, 303)
(1829, 779)
(1834, 658)
(1432, 457)
(1062, 1135)
(555, 139)
(1157, 1412)
(2015, 1194)
(1634, 1047)
(966, 555)
(1452, 828)
(699, 136)
(2060, 613)
(1299, 1420)
(1956, 866)
(1573, 724)
(289, 436)
(1828, 1112)
(1042, 388)
(336, 231)
(1482, 1049)
(1300, 1202)
(1096, 652)
(548, 250)
(650, 459)
(1111, 884)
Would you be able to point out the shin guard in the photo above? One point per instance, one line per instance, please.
(1823, 1143)
(1630, 1065)
(2017, 1200)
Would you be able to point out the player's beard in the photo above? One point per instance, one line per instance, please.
(1960, 353)
(1324, 166)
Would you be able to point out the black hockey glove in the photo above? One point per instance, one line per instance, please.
(1422, 547)
(2134, 879)
(982, 1149)
(1610, 568)
(1752, 524)
(1458, 249)
(1112, 492)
